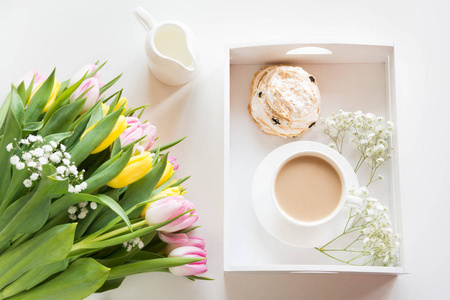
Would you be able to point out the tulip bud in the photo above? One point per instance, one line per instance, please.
(168, 172)
(51, 99)
(89, 68)
(123, 102)
(192, 268)
(118, 128)
(136, 168)
(169, 208)
(135, 131)
(173, 162)
(167, 192)
(176, 240)
(38, 79)
(91, 96)
(105, 109)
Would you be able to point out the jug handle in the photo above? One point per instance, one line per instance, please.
(144, 18)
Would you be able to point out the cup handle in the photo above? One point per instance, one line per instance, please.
(353, 201)
(144, 18)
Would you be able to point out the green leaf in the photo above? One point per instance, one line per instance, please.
(193, 278)
(40, 99)
(33, 214)
(15, 189)
(12, 130)
(67, 200)
(94, 161)
(28, 92)
(61, 98)
(34, 277)
(93, 138)
(82, 278)
(32, 126)
(116, 147)
(96, 116)
(17, 107)
(131, 111)
(180, 181)
(4, 110)
(22, 93)
(36, 252)
(169, 145)
(13, 209)
(108, 171)
(57, 137)
(149, 266)
(110, 285)
(145, 255)
(97, 243)
(60, 219)
(63, 86)
(76, 134)
(136, 192)
(62, 118)
(121, 256)
(114, 102)
(85, 116)
(86, 222)
(109, 84)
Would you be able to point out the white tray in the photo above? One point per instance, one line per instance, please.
(353, 77)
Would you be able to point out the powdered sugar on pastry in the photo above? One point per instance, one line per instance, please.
(285, 100)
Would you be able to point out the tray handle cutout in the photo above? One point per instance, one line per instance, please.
(309, 51)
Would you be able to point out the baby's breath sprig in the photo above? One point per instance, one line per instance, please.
(337, 127)
(370, 134)
(374, 241)
(31, 153)
(129, 245)
(81, 210)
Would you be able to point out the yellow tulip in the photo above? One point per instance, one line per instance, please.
(122, 101)
(136, 168)
(168, 172)
(120, 126)
(105, 109)
(52, 98)
(168, 192)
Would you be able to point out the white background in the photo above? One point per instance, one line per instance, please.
(43, 34)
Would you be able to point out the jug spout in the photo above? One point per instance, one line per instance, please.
(144, 18)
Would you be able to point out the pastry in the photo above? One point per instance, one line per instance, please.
(284, 100)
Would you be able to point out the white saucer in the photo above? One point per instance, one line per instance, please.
(271, 218)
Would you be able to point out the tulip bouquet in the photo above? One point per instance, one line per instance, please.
(85, 198)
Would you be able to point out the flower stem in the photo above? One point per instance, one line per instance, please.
(118, 231)
(348, 220)
(333, 257)
(357, 239)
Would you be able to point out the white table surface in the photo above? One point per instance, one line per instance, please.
(68, 34)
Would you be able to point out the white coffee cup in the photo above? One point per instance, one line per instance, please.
(345, 198)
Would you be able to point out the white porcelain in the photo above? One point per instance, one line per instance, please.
(170, 49)
(279, 224)
(345, 198)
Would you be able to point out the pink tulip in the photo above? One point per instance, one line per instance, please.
(38, 79)
(176, 240)
(136, 130)
(89, 68)
(192, 268)
(168, 208)
(174, 163)
(92, 96)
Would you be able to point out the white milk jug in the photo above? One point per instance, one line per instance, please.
(170, 49)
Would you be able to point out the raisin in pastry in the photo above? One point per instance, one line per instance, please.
(285, 100)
